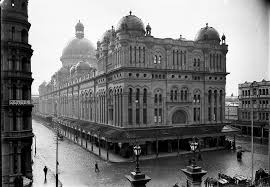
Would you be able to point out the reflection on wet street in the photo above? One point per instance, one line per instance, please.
(76, 165)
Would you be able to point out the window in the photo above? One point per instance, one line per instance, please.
(159, 59)
(156, 98)
(12, 3)
(130, 116)
(144, 96)
(137, 115)
(23, 6)
(138, 95)
(144, 116)
(155, 59)
(160, 98)
(130, 96)
(24, 36)
(130, 74)
(144, 75)
(155, 115)
(171, 95)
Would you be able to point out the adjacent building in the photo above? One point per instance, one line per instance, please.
(254, 99)
(231, 108)
(135, 87)
(16, 80)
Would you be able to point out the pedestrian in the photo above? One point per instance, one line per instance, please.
(45, 172)
(96, 167)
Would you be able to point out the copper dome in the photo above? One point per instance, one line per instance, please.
(207, 33)
(130, 22)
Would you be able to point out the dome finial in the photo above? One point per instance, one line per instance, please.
(130, 12)
(79, 29)
(206, 24)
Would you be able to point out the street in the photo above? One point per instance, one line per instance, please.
(76, 165)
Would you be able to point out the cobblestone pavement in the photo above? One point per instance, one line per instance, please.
(76, 165)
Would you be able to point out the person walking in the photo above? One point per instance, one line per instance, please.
(96, 167)
(45, 172)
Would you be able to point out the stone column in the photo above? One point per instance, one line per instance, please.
(124, 108)
(218, 108)
(137, 179)
(194, 175)
(212, 106)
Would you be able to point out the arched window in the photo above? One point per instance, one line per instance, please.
(138, 95)
(144, 96)
(160, 98)
(24, 36)
(198, 64)
(155, 59)
(185, 95)
(24, 64)
(156, 98)
(130, 96)
(171, 95)
(175, 95)
(159, 59)
(25, 93)
(194, 63)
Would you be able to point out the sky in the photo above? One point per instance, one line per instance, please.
(245, 24)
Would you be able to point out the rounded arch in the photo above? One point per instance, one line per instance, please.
(179, 116)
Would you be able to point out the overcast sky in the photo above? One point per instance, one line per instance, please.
(244, 22)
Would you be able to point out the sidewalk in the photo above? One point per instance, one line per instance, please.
(38, 174)
(114, 158)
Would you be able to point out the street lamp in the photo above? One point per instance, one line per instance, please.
(193, 146)
(57, 133)
(137, 152)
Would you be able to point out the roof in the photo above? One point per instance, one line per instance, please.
(149, 133)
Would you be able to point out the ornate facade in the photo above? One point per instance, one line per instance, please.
(138, 81)
(257, 93)
(16, 80)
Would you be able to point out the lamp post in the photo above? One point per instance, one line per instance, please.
(193, 146)
(137, 151)
(194, 173)
(137, 179)
(56, 183)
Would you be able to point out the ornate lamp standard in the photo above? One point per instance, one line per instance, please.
(137, 179)
(35, 145)
(194, 173)
(137, 151)
(193, 146)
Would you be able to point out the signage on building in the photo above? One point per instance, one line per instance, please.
(20, 102)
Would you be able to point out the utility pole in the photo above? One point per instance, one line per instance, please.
(269, 143)
(56, 156)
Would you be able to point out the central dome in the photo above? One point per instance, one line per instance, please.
(78, 48)
(207, 33)
(130, 23)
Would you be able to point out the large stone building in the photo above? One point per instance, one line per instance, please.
(254, 97)
(16, 80)
(135, 87)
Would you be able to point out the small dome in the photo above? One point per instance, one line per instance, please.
(83, 66)
(106, 36)
(79, 26)
(130, 23)
(207, 33)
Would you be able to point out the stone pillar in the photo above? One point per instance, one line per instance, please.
(194, 175)
(212, 106)
(156, 147)
(137, 179)
(124, 108)
(218, 108)
(169, 146)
